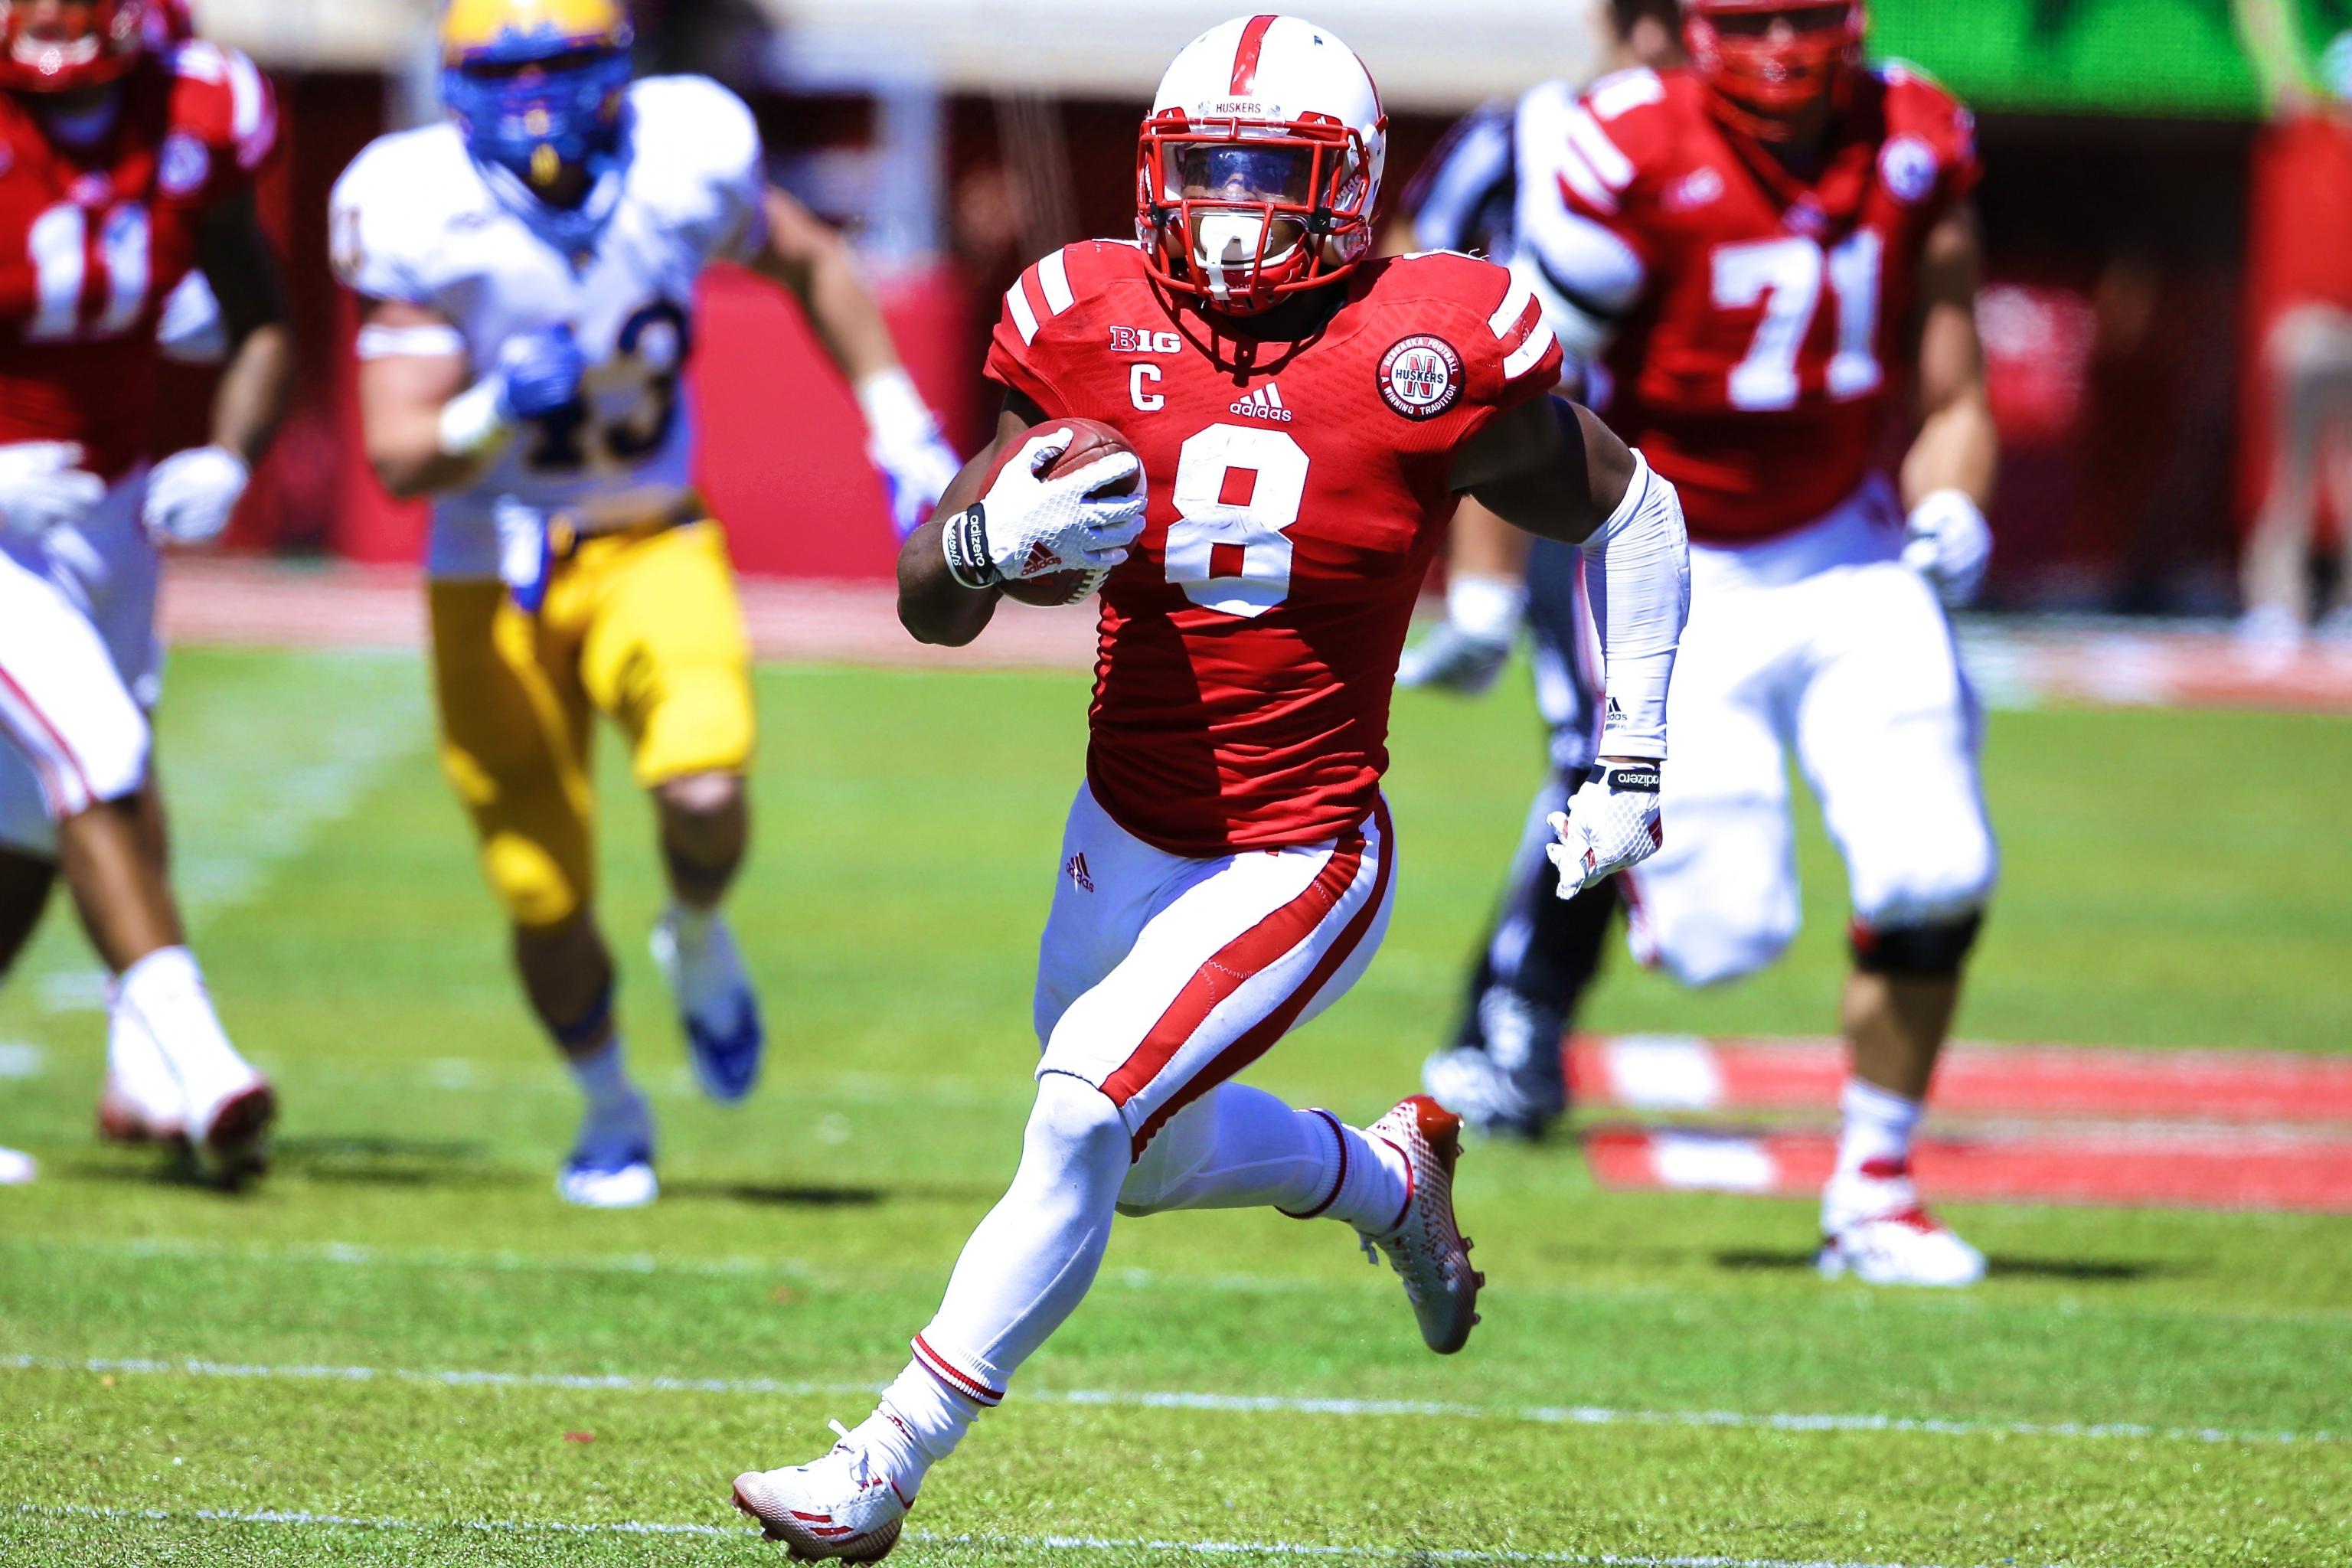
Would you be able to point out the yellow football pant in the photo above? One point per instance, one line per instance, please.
(643, 627)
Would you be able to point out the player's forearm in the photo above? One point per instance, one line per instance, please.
(1637, 574)
(932, 605)
(405, 451)
(1957, 449)
(254, 389)
(820, 271)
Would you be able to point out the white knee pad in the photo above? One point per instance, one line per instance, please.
(1174, 1156)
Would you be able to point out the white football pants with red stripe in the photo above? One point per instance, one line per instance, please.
(79, 667)
(75, 734)
(1160, 978)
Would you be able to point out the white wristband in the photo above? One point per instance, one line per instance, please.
(477, 422)
(893, 406)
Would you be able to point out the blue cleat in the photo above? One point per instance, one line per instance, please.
(720, 1016)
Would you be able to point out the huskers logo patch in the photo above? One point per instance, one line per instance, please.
(184, 166)
(1908, 164)
(1420, 377)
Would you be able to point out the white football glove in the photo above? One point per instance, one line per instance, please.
(1610, 823)
(1949, 545)
(904, 446)
(1030, 526)
(192, 494)
(43, 486)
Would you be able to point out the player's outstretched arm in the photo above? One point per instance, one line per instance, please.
(1555, 469)
(806, 257)
(193, 494)
(1949, 473)
(258, 382)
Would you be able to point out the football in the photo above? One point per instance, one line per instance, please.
(1090, 441)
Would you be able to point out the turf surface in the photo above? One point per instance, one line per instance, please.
(403, 1350)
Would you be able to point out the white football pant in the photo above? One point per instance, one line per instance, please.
(1159, 978)
(79, 667)
(1823, 642)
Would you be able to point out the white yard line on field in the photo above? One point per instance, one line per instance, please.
(1236, 1404)
(19, 1060)
(353, 1254)
(1061, 1543)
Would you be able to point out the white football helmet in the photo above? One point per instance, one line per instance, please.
(1258, 170)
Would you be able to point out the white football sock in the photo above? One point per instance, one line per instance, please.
(1877, 1127)
(166, 991)
(1023, 1271)
(690, 925)
(1367, 1179)
(618, 1123)
(136, 1069)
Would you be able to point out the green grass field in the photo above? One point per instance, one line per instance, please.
(405, 1351)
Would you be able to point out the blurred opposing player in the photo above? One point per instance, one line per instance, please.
(1305, 419)
(1765, 255)
(1501, 1069)
(528, 275)
(129, 156)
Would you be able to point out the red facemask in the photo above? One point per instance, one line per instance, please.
(1242, 214)
(1763, 84)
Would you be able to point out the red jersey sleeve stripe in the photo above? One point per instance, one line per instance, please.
(1017, 306)
(1246, 56)
(1580, 186)
(1510, 316)
(1615, 170)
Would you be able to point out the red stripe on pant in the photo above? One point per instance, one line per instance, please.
(1241, 961)
(22, 698)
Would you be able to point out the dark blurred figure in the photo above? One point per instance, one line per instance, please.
(2302, 262)
(1501, 1068)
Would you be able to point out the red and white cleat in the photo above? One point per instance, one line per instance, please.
(231, 1137)
(1427, 1248)
(842, 1505)
(1874, 1227)
(122, 1121)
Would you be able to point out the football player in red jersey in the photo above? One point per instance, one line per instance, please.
(1766, 259)
(126, 160)
(1306, 420)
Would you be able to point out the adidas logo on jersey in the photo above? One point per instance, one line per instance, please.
(1266, 403)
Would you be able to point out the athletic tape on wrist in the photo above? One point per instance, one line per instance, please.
(963, 539)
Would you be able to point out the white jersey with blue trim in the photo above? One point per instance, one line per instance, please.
(416, 220)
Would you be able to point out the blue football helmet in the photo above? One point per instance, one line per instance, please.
(537, 85)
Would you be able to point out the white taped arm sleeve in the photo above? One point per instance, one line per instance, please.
(1637, 574)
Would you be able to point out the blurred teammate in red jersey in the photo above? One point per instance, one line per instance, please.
(2300, 273)
(1307, 420)
(127, 154)
(1764, 258)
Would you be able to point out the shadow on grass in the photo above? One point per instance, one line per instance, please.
(781, 1195)
(1763, 1261)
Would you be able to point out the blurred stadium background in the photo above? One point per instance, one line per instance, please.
(2132, 275)
(401, 1349)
